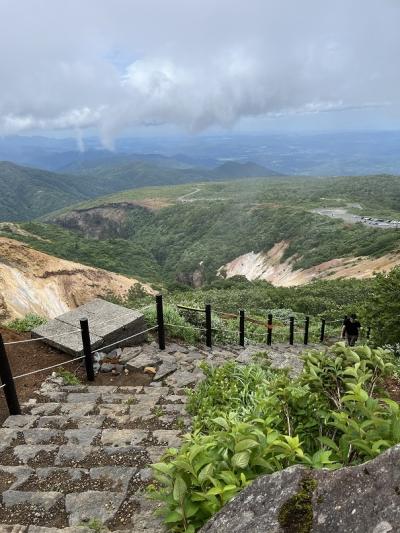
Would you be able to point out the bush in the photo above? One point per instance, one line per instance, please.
(383, 308)
(175, 324)
(255, 420)
(29, 322)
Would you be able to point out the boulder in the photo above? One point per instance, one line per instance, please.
(358, 499)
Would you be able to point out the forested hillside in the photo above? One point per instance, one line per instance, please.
(31, 192)
(175, 233)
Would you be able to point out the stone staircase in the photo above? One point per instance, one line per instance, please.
(78, 458)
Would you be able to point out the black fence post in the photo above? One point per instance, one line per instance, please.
(322, 335)
(160, 322)
(87, 349)
(7, 379)
(291, 329)
(241, 327)
(208, 326)
(269, 333)
(306, 328)
(368, 332)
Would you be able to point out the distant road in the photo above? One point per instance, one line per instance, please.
(341, 212)
(185, 196)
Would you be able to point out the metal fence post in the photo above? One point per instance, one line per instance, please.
(208, 326)
(7, 379)
(322, 335)
(269, 334)
(160, 322)
(87, 349)
(291, 329)
(306, 328)
(241, 327)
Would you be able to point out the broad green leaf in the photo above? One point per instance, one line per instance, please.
(190, 508)
(272, 436)
(246, 444)
(221, 422)
(165, 468)
(179, 489)
(214, 491)
(173, 516)
(228, 476)
(206, 472)
(241, 459)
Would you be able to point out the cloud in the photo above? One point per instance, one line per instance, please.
(195, 64)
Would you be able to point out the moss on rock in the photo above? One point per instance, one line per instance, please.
(296, 514)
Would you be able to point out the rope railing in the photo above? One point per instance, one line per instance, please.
(49, 367)
(8, 380)
(184, 327)
(298, 329)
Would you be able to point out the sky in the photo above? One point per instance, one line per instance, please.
(117, 66)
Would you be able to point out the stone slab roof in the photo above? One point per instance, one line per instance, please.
(108, 323)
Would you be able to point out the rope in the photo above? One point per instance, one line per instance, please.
(226, 331)
(41, 338)
(185, 327)
(49, 367)
(75, 330)
(190, 308)
(126, 338)
(80, 357)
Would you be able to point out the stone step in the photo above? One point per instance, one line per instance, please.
(106, 394)
(80, 453)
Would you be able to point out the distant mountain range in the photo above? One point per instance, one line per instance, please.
(310, 154)
(28, 193)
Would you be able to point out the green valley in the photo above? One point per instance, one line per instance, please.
(178, 233)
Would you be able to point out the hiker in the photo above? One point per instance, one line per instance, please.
(350, 329)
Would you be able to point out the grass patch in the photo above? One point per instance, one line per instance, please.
(28, 323)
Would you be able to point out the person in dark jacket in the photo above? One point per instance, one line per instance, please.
(350, 330)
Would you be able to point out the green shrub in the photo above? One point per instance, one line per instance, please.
(29, 322)
(253, 420)
(382, 308)
(175, 325)
(230, 387)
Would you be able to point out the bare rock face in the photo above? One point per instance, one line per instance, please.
(359, 499)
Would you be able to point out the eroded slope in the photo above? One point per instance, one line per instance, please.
(270, 266)
(32, 281)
